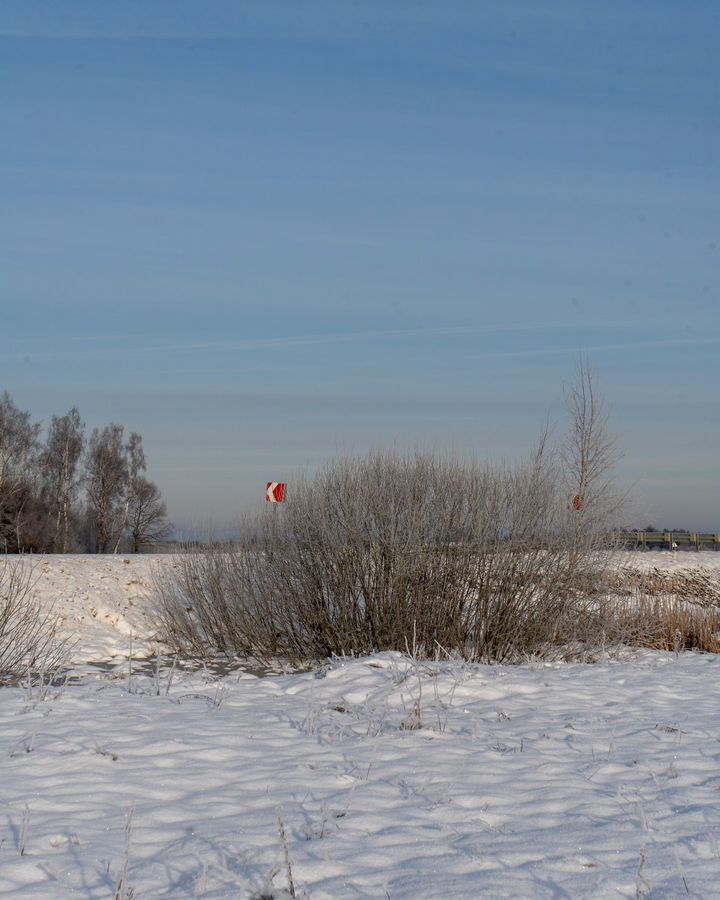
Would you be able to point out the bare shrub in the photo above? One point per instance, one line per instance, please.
(206, 604)
(377, 552)
(28, 640)
(488, 560)
(666, 622)
(656, 610)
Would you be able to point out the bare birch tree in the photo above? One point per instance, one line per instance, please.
(147, 514)
(60, 472)
(588, 456)
(107, 476)
(135, 465)
(18, 442)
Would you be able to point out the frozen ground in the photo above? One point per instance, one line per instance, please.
(391, 779)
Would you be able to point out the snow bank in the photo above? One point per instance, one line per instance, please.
(99, 601)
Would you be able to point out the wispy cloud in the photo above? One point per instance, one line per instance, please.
(600, 348)
(348, 337)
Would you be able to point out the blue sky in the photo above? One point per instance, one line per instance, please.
(264, 233)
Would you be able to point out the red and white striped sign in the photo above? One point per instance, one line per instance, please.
(275, 492)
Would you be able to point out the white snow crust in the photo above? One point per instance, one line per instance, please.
(392, 778)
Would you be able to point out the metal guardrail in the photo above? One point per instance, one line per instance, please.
(668, 540)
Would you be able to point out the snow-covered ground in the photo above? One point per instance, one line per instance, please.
(99, 601)
(391, 778)
(670, 563)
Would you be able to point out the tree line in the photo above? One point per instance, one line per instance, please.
(62, 492)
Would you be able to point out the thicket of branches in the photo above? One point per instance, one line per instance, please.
(418, 552)
(27, 631)
(62, 493)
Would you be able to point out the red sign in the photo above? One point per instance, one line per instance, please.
(275, 492)
(575, 502)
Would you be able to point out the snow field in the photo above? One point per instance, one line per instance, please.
(391, 778)
(509, 782)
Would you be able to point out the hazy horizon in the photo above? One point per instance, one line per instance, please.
(261, 235)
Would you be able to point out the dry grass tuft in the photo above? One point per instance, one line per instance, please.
(664, 623)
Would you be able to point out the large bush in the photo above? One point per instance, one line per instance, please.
(392, 552)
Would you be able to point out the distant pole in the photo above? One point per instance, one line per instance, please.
(274, 494)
